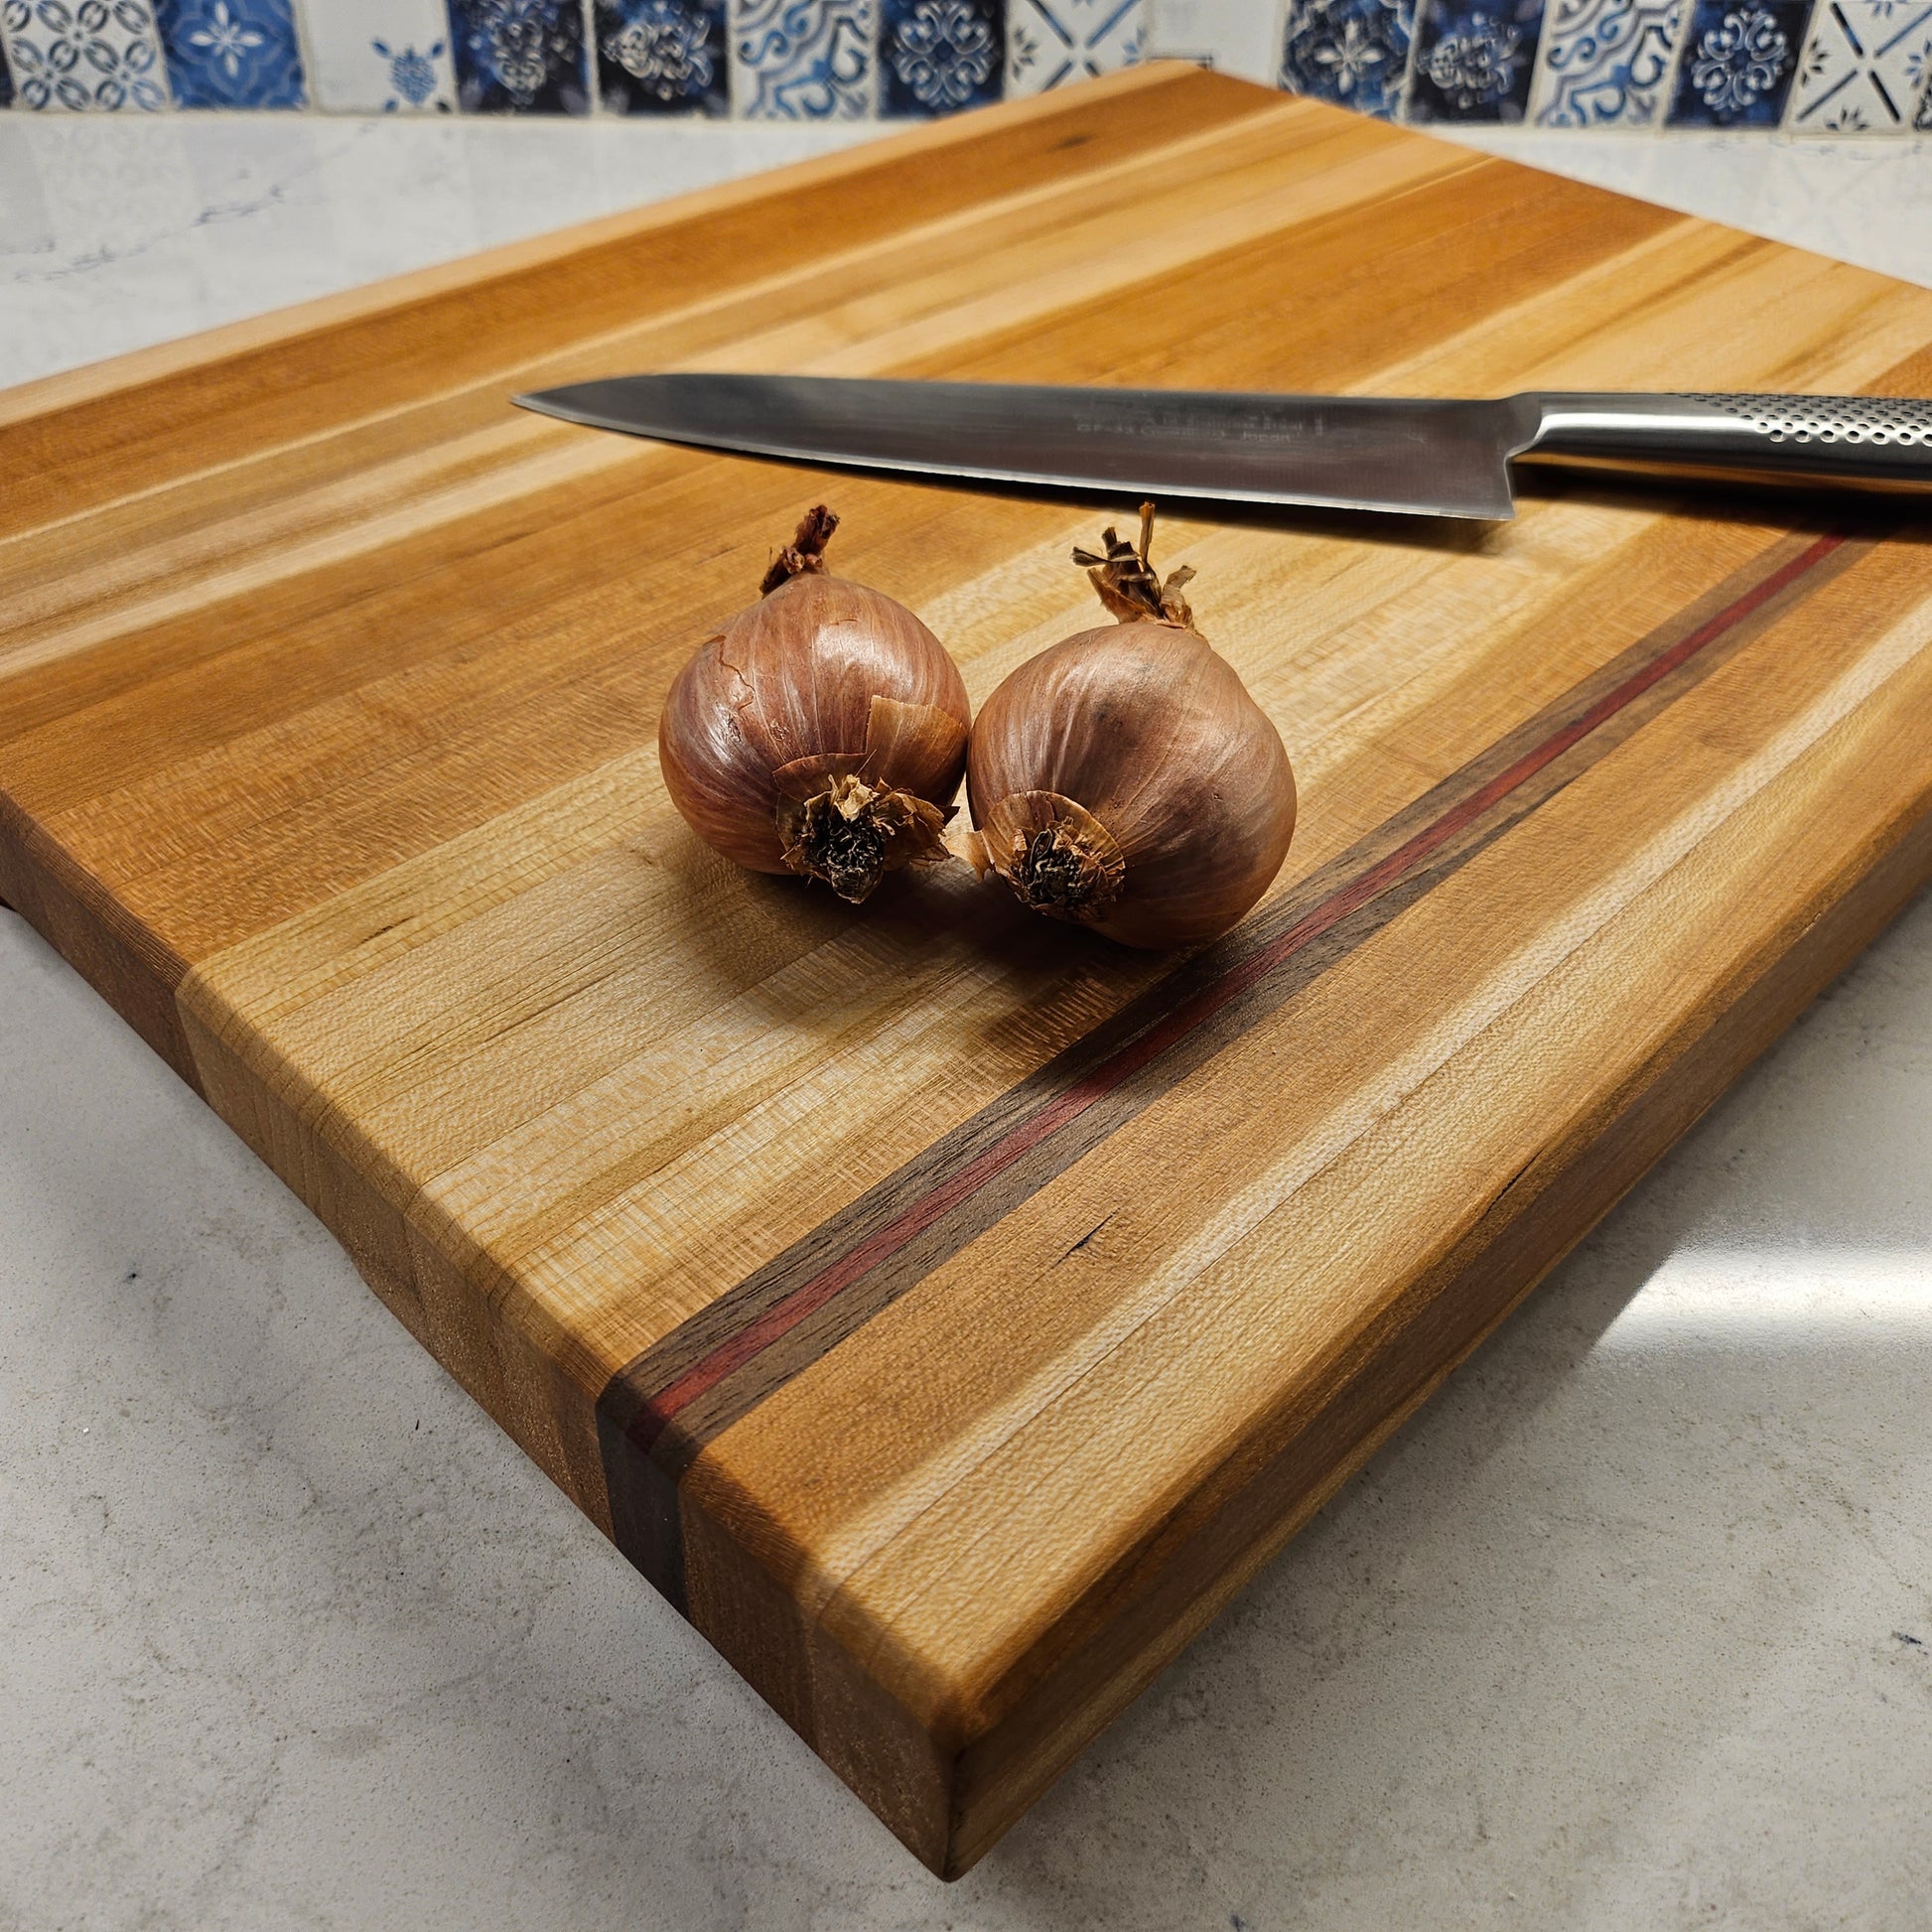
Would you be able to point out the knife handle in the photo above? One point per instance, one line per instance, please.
(1841, 442)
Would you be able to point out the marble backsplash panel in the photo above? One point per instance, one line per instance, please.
(1832, 67)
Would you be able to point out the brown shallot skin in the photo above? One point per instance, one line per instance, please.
(822, 730)
(1125, 779)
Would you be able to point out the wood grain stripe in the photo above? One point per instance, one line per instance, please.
(657, 1413)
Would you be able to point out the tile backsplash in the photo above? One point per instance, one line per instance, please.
(1814, 65)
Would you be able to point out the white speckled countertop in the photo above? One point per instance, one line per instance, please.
(1630, 1628)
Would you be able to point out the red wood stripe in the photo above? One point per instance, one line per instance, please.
(814, 1294)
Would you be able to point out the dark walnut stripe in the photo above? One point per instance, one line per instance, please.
(659, 1410)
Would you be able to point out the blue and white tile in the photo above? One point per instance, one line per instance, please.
(1050, 43)
(519, 56)
(803, 60)
(1864, 68)
(937, 56)
(1472, 60)
(232, 53)
(1606, 62)
(380, 57)
(83, 55)
(1355, 52)
(1738, 61)
(661, 56)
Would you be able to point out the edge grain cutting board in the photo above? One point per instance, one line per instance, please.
(946, 1310)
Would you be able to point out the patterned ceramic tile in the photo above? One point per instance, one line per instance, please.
(1864, 68)
(519, 56)
(1738, 61)
(1808, 66)
(380, 57)
(936, 57)
(1472, 60)
(1355, 52)
(661, 56)
(1052, 42)
(84, 55)
(803, 60)
(232, 53)
(1606, 62)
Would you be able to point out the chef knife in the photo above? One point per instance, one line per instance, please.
(1422, 456)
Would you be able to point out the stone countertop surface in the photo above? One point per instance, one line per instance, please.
(1631, 1627)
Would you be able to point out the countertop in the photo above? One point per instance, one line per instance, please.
(1630, 1627)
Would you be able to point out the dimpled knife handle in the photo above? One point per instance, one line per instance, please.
(1878, 420)
(1840, 442)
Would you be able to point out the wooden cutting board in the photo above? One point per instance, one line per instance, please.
(945, 1311)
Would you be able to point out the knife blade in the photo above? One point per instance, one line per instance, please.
(1424, 456)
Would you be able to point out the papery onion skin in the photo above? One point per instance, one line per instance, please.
(1126, 779)
(822, 730)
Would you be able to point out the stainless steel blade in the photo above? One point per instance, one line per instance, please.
(1437, 458)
